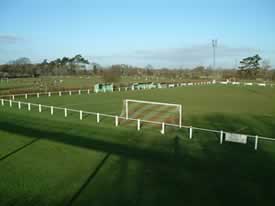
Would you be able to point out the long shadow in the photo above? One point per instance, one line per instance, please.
(89, 142)
(223, 171)
(18, 149)
(89, 179)
(251, 124)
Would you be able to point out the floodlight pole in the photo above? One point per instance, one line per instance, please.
(214, 46)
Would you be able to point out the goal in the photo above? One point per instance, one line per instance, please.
(152, 111)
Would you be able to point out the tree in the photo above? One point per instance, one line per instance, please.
(45, 62)
(20, 61)
(250, 66)
(266, 64)
(112, 75)
(273, 74)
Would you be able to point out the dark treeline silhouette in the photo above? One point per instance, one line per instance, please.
(23, 67)
(250, 68)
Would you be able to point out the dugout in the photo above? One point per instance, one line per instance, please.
(106, 87)
(139, 86)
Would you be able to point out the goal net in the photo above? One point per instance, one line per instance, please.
(152, 111)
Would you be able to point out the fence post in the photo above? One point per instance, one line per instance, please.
(138, 124)
(51, 110)
(97, 117)
(12, 97)
(127, 115)
(79, 92)
(65, 112)
(70, 93)
(2, 102)
(256, 143)
(10, 103)
(60, 93)
(37, 95)
(80, 115)
(221, 137)
(49, 94)
(26, 96)
(119, 89)
(162, 128)
(29, 106)
(88, 91)
(19, 105)
(190, 132)
(39, 108)
(116, 121)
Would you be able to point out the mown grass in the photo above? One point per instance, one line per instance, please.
(49, 83)
(238, 109)
(77, 162)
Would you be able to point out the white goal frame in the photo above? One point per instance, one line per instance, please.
(156, 103)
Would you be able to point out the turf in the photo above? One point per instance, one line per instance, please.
(9, 142)
(19, 85)
(240, 109)
(75, 162)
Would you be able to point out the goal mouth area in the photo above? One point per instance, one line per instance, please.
(152, 112)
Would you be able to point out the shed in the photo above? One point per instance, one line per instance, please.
(106, 87)
(139, 86)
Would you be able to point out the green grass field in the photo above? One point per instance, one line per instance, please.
(19, 85)
(53, 160)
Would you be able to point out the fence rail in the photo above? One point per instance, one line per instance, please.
(116, 118)
(163, 125)
(120, 89)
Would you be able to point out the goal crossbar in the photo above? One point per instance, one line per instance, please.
(150, 102)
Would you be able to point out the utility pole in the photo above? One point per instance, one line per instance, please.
(214, 46)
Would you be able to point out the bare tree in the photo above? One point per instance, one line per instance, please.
(112, 74)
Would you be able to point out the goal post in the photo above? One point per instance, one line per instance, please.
(152, 111)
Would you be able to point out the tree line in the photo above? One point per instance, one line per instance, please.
(23, 67)
(250, 68)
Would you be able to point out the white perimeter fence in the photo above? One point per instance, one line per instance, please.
(119, 89)
(116, 119)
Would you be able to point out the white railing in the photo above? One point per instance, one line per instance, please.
(119, 89)
(116, 118)
(262, 84)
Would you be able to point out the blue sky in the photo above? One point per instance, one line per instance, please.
(161, 33)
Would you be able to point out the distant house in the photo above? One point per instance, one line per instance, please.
(106, 87)
(139, 86)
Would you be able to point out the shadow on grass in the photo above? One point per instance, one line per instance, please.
(87, 142)
(251, 124)
(89, 179)
(18, 149)
(190, 172)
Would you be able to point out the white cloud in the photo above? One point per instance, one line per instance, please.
(175, 57)
(9, 39)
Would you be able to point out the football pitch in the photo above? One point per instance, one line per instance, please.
(52, 160)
